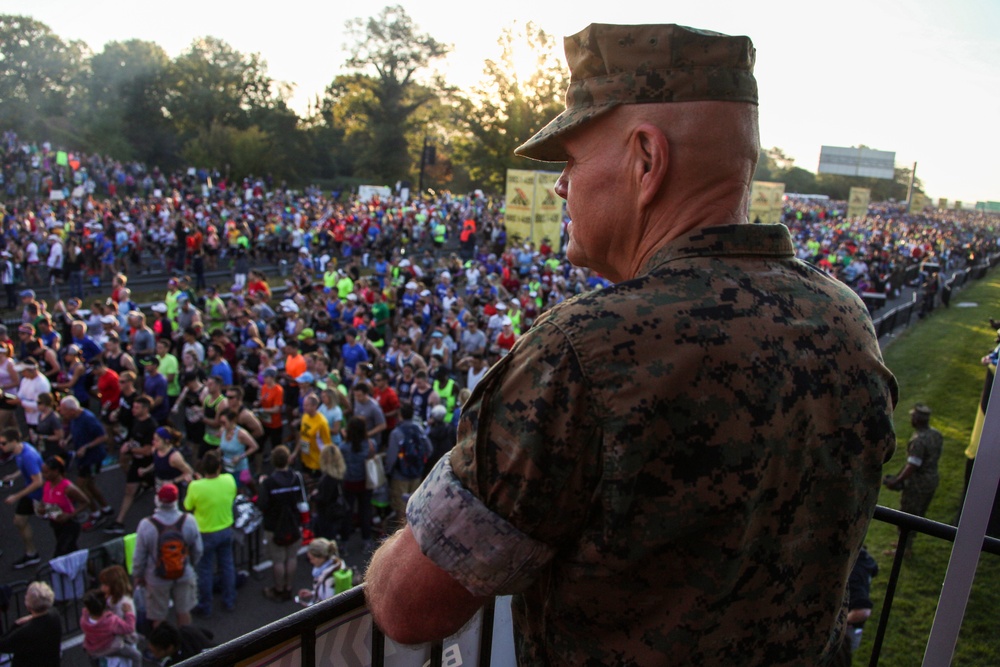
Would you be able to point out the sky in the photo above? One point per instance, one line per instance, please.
(917, 77)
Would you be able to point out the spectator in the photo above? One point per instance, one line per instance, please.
(325, 559)
(328, 496)
(210, 499)
(357, 448)
(171, 645)
(280, 492)
(409, 450)
(104, 631)
(160, 591)
(657, 182)
(35, 639)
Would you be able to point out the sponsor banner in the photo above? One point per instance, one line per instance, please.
(533, 210)
(548, 210)
(857, 202)
(766, 202)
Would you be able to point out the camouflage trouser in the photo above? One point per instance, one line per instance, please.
(916, 498)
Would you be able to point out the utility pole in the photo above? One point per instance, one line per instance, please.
(909, 189)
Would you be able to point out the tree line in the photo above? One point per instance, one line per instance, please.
(386, 117)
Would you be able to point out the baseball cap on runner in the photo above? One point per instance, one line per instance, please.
(612, 65)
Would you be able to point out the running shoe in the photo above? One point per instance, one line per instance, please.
(115, 529)
(27, 560)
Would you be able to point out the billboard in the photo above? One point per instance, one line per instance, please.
(855, 161)
(533, 209)
(766, 201)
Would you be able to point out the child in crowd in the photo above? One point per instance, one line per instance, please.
(104, 632)
(117, 588)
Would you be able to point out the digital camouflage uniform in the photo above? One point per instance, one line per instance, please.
(923, 451)
(678, 469)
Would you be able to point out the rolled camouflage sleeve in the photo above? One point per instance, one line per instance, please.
(481, 550)
(522, 479)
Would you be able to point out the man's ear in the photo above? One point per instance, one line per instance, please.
(651, 154)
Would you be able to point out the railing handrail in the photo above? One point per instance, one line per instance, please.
(303, 623)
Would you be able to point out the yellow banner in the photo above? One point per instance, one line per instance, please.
(519, 204)
(548, 210)
(857, 202)
(958, 204)
(918, 202)
(766, 202)
(533, 209)
(942, 203)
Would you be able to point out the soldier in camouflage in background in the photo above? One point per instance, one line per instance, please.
(680, 468)
(918, 480)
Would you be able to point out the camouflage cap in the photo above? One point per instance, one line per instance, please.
(643, 64)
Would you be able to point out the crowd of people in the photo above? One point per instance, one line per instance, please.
(391, 315)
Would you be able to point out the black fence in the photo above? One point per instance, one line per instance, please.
(69, 592)
(901, 316)
(302, 626)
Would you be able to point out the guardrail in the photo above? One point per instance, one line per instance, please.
(314, 635)
(69, 603)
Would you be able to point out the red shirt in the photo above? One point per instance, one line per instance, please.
(388, 400)
(109, 389)
(272, 397)
(258, 286)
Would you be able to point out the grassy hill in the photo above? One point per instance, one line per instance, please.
(937, 362)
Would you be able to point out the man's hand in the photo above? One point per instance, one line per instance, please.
(891, 483)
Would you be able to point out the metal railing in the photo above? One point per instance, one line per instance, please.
(344, 621)
(69, 603)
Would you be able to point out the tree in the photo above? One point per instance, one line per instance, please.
(797, 179)
(127, 96)
(508, 106)
(41, 76)
(390, 46)
(213, 83)
(239, 152)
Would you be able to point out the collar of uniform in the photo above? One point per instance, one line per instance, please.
(757, 240)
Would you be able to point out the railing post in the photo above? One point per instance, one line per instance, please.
(890, 593)
(378, 646)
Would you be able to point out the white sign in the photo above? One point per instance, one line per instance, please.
(366, 192)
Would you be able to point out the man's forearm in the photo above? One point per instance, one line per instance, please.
(411, 598)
